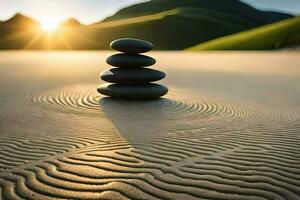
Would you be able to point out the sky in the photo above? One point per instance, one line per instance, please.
(289, 6)
(90, 11)
(86, 11)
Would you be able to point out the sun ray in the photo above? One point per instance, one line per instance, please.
(18, 36)
(63, 39)
(49, 41)
(32, 41)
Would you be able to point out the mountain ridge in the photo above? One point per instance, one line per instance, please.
(234, 7)
(169, 24)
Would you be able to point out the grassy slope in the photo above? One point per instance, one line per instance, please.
(273, 36)
(174, 29)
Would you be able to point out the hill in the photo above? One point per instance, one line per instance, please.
(173, 29)
(17, 31)
(22, 32)
(169, 24)
(231, 7)
(274, 36)
(71, 22)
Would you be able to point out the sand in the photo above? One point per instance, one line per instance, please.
(228, 129)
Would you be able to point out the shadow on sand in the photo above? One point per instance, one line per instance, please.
(139, 119)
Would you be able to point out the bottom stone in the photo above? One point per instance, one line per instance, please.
(147, 91)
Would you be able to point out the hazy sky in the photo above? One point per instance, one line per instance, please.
(88, 11)
(291, 6)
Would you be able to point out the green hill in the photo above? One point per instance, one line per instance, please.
(173, 29)
(169, 24)
(274, 36)
(232, 7)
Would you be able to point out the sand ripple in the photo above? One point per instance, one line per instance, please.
(162, 169)
(178, 110)
(16, 151)
(204, 149)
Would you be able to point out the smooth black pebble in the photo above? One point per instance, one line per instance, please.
(130, 61)
(131, 46)
(146, 91)
(132, 76)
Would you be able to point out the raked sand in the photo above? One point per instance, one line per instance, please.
(228, 129)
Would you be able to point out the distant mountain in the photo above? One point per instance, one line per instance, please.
(169, 24)
(273, 36)
(192, 21)
(231, 7)
(22, 32)
(17, 31)
(71, 23)
(19, 20)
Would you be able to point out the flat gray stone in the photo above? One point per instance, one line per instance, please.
(132, 76)
(130, 61)
(147, 91)
(131, 45)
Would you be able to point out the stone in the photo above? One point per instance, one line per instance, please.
(146, 91)
(131, 79)
(131, 45)
(132, 76)
(130, 61)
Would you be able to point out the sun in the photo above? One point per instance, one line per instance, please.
(49, 25)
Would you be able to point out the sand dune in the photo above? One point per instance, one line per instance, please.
(221, 133)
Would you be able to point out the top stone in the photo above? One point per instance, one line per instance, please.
(131, 45)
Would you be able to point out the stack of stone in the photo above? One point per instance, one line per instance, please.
(130, 79)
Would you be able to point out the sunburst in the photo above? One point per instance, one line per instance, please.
(49, 25)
